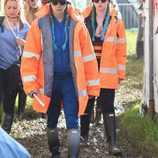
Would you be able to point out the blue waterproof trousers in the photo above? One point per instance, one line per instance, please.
(63, 91)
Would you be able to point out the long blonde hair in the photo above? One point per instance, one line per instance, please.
(29, 13)
(21, 10)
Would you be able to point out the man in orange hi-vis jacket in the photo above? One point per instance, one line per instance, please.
(59, 65)
(107, 32)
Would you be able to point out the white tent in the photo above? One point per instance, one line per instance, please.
(151, 56)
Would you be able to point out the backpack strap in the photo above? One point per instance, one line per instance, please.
(39, 22)
(1, 22)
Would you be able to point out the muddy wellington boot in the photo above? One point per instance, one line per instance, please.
(110, 130)
(7, 121)
(73, 143)
(53, 142)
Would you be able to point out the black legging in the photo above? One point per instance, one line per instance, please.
(3, 84)
(105, 100)
(9, 101)
(85, 119)
(7, 95)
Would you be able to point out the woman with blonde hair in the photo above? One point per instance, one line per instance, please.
(31, 7)
(13, 33)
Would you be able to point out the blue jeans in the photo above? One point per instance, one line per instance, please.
(63, 91)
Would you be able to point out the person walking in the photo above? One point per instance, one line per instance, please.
(31, 7)
(107, 33)
(59, 65)
(12, 38)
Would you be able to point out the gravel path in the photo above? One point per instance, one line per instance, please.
(31, 131)
(32, 134)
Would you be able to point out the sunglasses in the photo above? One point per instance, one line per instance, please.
(61, 2)
(97, 1)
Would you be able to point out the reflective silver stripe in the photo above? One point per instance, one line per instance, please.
(30, 55)
(108, 70)
(83, 93)
(41, 91)
(77, 54)
(89, 58)
(93, 82)
(121, 40)
(41, 41)
(122, 67)
(29, 78)
(111, 39)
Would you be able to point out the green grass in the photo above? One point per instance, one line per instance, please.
(140, 131)
(134, 66)
(131, 41)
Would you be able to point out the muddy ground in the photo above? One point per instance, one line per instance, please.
(31, 131)
(32, 134)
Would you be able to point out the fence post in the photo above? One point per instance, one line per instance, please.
(151, 87)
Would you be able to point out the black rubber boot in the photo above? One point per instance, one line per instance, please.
(53, 142)
(85, 121)
(98, 115)
(21, 104)
(7, 121)
(92, 119)
(73, 143)
(110, 130)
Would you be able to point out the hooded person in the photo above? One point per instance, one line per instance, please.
(107, 33)
(59, 65)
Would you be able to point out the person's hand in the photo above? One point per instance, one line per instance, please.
(20, 42)
(31, 94)
(119, 80)
(90, 96)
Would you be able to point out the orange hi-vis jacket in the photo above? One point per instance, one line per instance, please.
(38, 60)
(113, 56)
